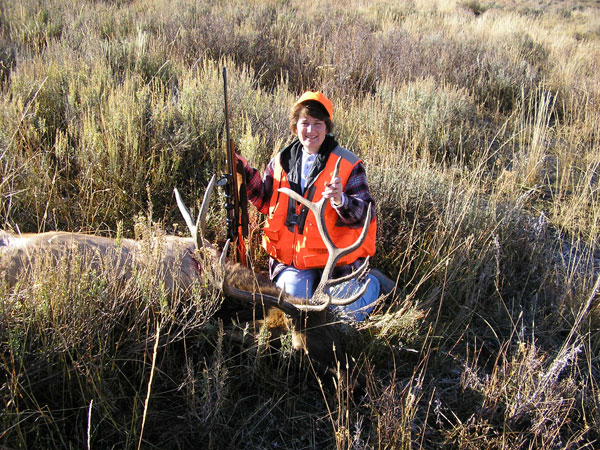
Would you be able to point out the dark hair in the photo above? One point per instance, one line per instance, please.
(311, 108)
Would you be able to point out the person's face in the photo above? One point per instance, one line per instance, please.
(311, 132)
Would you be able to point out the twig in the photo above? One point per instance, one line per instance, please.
(89, 429)
(149, 385)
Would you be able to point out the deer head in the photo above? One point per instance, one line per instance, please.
(307, 320)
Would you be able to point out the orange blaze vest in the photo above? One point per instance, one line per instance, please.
(290, 234)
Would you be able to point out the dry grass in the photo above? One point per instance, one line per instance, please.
(479, 125)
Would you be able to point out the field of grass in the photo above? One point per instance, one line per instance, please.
(479, 124)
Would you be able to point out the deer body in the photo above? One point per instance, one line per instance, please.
(19, 254)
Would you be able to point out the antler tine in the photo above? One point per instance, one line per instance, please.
(352, 275)
(223, 257)
(356, 274)
(201, 221)
(185, 212)
(196, 230)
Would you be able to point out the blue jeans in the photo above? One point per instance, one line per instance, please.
(302, 283)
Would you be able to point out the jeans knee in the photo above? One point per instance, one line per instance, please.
(299, 283)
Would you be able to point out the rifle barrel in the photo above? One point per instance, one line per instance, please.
(234, 231)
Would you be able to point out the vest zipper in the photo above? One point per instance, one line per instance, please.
(295, 240)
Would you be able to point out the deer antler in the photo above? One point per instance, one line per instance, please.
(197, 230)
(322, 296)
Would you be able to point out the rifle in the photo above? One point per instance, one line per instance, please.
(236, 198)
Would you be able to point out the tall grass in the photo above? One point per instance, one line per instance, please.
(478, 123)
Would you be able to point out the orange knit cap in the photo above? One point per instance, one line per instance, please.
(317, 96)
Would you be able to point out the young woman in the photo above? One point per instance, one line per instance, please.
(297, 252)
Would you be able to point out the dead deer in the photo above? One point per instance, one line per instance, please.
(249, 296)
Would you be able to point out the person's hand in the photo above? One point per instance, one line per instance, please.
(333, 190)
(241, 159)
